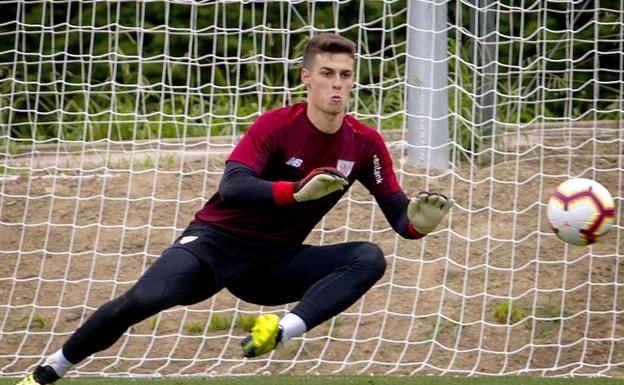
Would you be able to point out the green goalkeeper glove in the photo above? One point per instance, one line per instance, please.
(318, 183)
(426, 211)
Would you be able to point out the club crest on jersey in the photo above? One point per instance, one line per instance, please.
(345, 166)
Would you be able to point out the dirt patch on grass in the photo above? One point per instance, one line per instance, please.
(79, 234)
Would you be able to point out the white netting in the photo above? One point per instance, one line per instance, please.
(115, 119)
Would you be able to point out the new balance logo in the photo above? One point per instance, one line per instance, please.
(295, 162)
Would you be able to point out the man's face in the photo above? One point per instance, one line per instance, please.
(329, 82)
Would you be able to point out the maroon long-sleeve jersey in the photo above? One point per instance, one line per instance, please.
(283, 145)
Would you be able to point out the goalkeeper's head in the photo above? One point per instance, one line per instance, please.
(328, 74)
(327, 43)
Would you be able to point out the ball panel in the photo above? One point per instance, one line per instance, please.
(580, 210)
(572, 236)
(575, 186)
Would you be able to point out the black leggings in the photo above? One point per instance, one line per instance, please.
(324, 279)
(176, 278)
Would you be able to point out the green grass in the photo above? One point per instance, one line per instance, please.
(340, 380)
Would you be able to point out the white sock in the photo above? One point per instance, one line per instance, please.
(292, 326)
(58, 362)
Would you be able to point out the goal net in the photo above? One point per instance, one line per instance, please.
(116, 119)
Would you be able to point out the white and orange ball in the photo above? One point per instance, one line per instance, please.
(580, 211)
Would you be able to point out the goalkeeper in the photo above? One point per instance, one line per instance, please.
(287, 172)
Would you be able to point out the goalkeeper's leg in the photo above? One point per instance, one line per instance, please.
(176, 278)
(324, 279)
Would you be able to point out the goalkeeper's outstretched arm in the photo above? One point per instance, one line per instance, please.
(416, 217)
(240, 184)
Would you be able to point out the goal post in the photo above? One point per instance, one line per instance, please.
(427, 85)
(116, 119)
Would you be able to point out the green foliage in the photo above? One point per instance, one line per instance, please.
(533, 77)
(153, 323)
(37, 322)
(245, 322)
(168, 160)
(4, 171)
(115, 84)
(194, 327)
(147, 163)
(297, 346)
(210, 72)
(219, 322)
(551, 317)
(441, 326)
(334, 325)
(8, 147)
(505, 312)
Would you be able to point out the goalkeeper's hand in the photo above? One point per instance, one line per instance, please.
(427, 210)
(318, 183)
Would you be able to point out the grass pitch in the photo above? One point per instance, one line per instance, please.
(336, 380)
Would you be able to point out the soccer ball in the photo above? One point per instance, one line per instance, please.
(580, 211)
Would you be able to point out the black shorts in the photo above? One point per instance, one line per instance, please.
(274, 273)
(230, 256)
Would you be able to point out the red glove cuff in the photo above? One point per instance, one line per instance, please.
(413, 232)
(283, 193)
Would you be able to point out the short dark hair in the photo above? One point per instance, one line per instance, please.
(326, 43)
